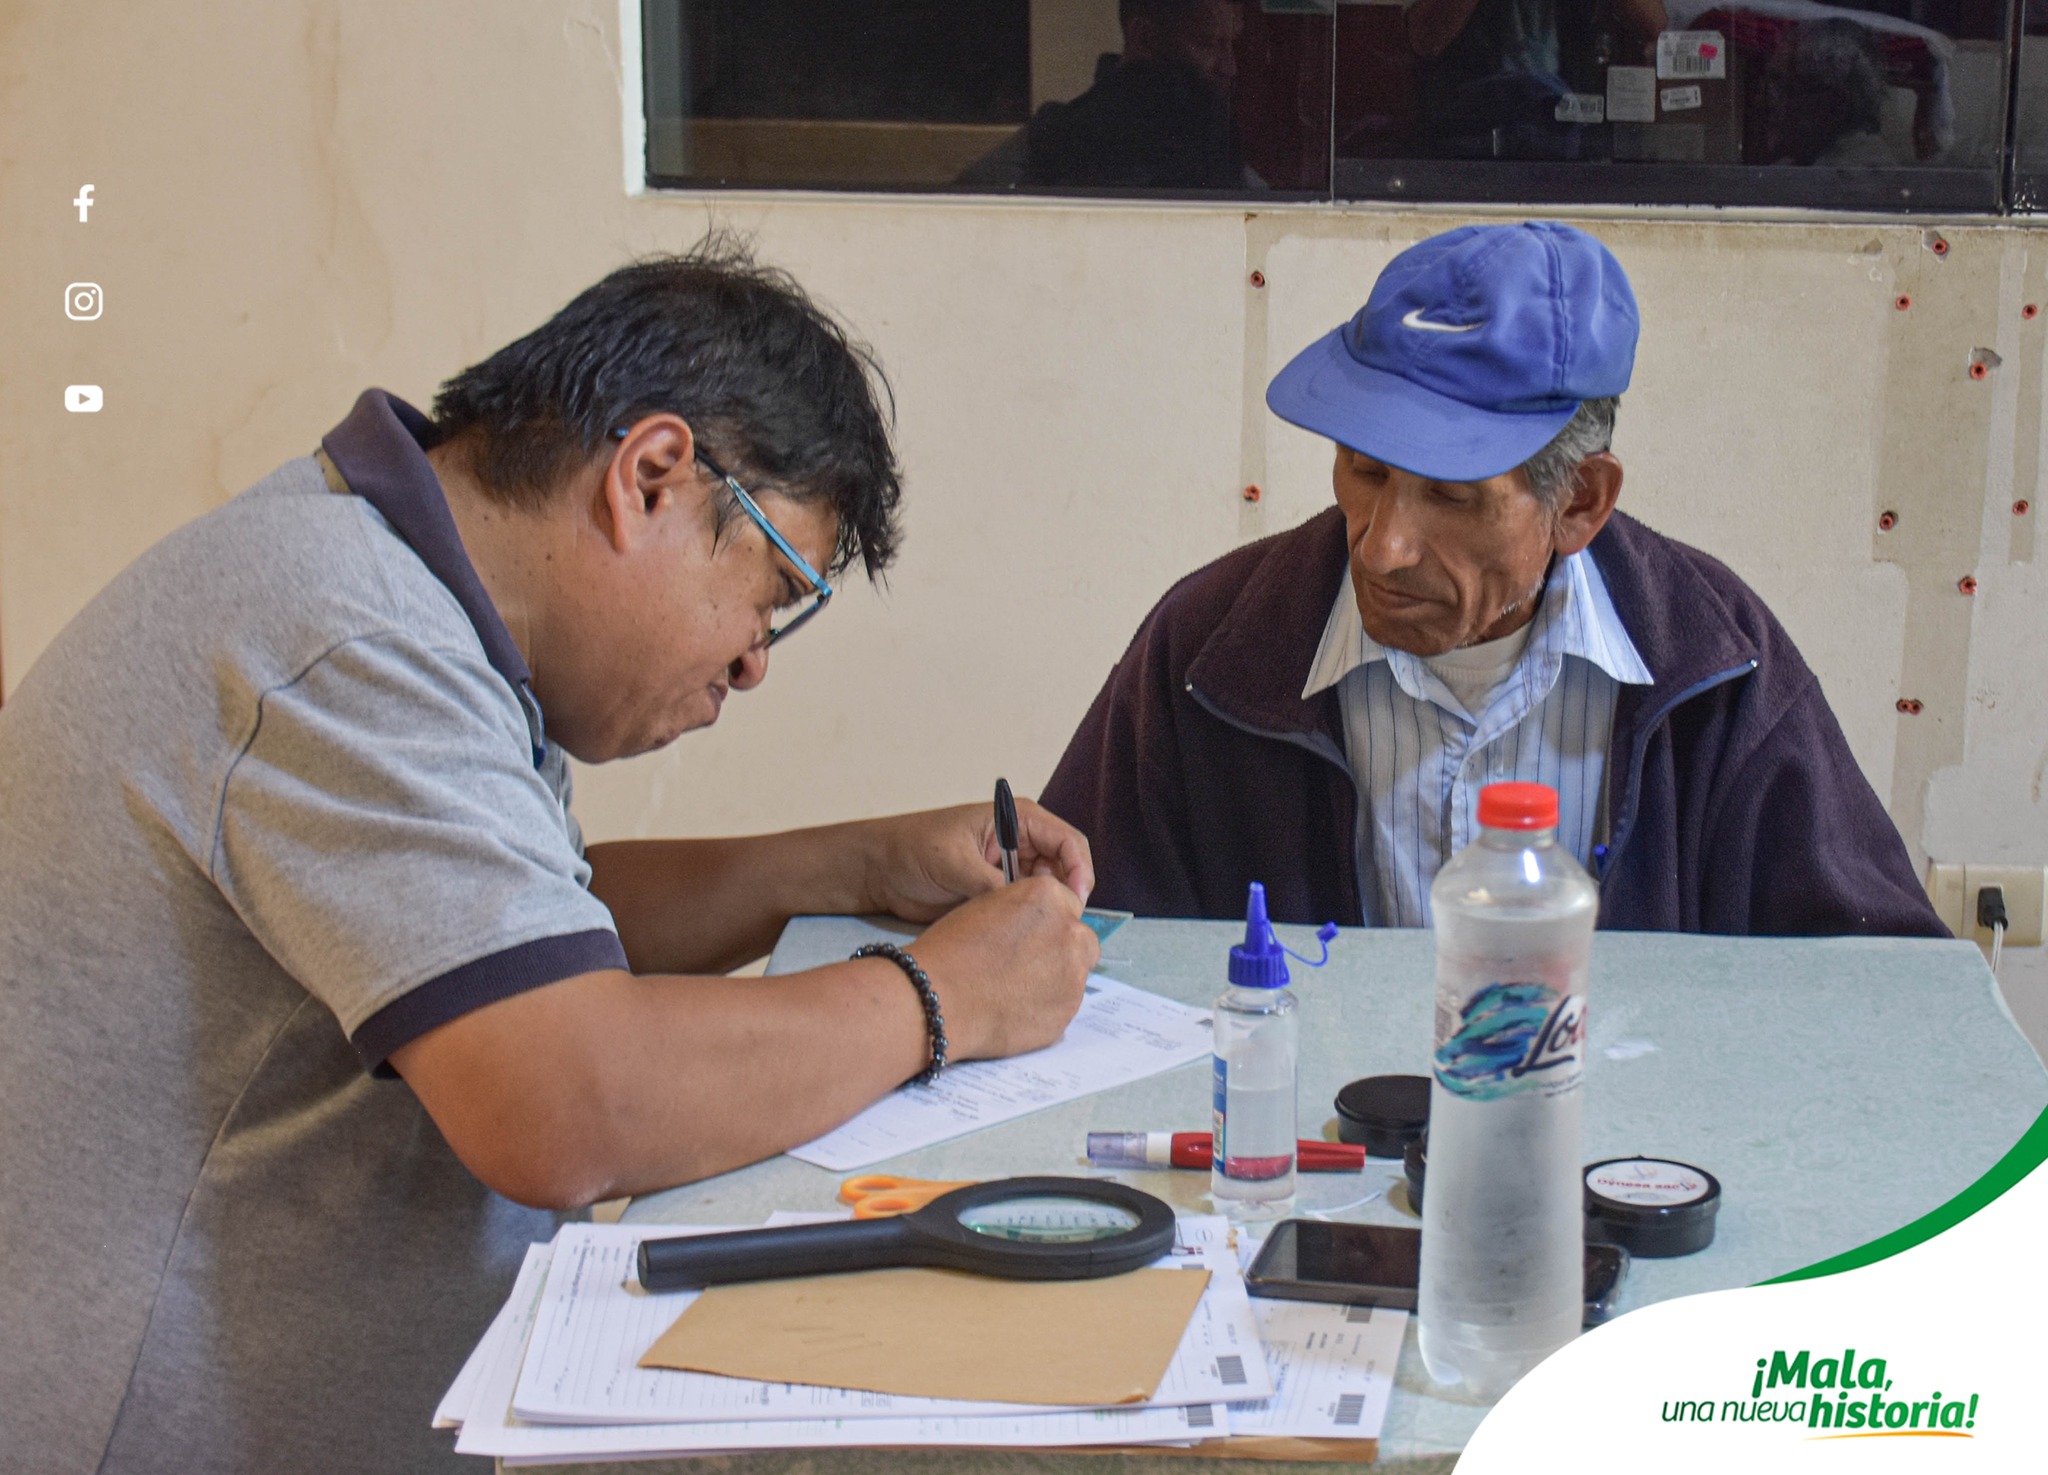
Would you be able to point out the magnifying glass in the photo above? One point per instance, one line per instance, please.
(1015, 1228)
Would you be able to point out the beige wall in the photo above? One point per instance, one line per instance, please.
(300, 200)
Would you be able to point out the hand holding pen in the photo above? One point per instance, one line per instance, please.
(920, 866)
(1006, 830)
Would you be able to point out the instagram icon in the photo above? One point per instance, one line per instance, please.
(82, 301)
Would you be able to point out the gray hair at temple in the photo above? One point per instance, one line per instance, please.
(1554, 470)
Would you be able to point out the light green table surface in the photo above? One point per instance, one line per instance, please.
(1838, 1088)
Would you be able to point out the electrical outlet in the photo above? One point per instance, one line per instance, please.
(2026, 890)
(1953, 890)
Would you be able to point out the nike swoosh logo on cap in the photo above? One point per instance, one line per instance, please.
(1415, 319)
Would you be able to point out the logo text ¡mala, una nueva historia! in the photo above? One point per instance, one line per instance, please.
(1838, 1397)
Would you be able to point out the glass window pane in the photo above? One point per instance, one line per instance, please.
(2030, 126)
(885, 93)
(1175, 97)
(1882, 104)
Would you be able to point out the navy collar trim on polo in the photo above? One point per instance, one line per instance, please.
(380, 451)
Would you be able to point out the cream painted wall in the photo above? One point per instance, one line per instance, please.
(299, 200)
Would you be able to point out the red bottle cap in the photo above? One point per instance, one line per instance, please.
(1518, 807)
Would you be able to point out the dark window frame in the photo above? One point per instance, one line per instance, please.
(2009, 186)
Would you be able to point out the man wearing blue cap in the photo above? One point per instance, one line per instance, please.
(1319, 710)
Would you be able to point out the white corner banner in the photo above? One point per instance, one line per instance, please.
(1932, 1359)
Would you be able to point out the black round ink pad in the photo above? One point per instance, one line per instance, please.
(1384, 1113)
(1651, 1206)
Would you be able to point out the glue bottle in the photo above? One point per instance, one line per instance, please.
(1503, 1228)
(1257, 1035)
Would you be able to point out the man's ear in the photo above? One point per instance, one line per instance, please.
(1588, 503)
(652, 469)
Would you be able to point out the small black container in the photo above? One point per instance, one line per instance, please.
(1414, 1164)
(1384, 1113)
(1651, 1206)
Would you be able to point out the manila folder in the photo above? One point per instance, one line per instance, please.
(943, 1334)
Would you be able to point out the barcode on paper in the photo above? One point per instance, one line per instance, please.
(1230, 1368)
(1357, 1314)
(1691, 56)
(1203, 1416)
(1680, 99)
(1350, 1408)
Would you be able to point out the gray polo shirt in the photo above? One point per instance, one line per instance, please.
(277, 802)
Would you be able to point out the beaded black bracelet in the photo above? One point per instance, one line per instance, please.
(934, 1021)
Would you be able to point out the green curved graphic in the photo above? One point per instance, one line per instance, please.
(2021, 1159)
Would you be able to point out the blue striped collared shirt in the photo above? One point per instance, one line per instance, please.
(1419, 758)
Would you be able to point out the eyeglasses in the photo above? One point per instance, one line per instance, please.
(820, 591)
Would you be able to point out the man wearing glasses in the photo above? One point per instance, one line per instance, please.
(285, 810)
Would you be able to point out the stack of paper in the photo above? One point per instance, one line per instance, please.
(557, 1378)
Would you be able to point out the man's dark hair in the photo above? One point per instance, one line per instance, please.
(774, 390)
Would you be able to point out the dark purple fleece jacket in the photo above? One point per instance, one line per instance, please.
(1734, 803)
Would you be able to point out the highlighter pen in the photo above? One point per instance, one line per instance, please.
(1194, 1150)
(1006, 830)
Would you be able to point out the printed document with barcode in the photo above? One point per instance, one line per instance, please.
(1332, 1367)
(1692, 56)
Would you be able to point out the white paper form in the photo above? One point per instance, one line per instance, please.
(454, 1406)
(1121, 1034)
(594, 1325)
(1334, 1367)
(490, 1428)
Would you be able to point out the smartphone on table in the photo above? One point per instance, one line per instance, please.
(1381, 1264)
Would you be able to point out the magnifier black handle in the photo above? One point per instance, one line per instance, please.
(696, 1260)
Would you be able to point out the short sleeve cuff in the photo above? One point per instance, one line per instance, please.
(484, 981)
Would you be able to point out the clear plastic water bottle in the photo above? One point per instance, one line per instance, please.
(1251, 1175)
(1503, 1229)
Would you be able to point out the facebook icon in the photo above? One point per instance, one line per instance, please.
(83, 202)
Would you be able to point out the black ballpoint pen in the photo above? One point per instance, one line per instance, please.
(1006, 829)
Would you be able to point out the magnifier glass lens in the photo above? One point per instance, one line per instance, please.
(1049, 1221)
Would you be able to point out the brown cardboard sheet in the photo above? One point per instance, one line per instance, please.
(943, 1334)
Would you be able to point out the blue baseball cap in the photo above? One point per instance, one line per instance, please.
(1474, 350)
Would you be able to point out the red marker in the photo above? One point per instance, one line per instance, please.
(1194, 1150)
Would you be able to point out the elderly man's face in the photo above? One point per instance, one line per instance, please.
(1440, 565)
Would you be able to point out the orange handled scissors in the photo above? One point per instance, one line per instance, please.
(884, 1195)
